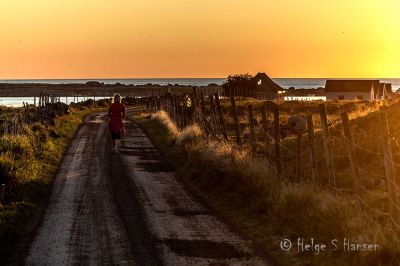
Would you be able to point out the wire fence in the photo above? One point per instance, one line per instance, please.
(44, 111)
(327, 152)
(337, 154)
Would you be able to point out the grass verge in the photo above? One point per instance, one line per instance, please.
(28, 163)
(245, 191)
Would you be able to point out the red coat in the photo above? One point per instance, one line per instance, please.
(116, 112)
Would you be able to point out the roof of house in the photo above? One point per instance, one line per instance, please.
(351, 85)
(267, 83)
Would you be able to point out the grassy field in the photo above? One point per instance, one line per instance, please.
(298, 108)
(28, 163)
(244, 189)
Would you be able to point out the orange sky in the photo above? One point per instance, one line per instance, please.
(208, 38)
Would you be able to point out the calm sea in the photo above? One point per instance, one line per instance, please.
(297, 83)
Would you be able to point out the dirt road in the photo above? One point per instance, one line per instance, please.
(127, 209)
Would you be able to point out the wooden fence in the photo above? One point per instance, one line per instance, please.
(44, 110)
(298, 159)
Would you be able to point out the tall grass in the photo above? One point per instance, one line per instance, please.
(247, 191)
(167, 122)
(28, 163)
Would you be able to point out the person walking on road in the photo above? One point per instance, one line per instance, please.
(116, 112)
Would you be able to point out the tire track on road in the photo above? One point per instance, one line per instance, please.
(128, 209)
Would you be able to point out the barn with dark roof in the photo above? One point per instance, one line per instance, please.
(266, 88)
(259, 86)
(366, 90)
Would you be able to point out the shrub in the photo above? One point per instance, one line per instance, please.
(19, 146)
(8, 168)
(40, 132)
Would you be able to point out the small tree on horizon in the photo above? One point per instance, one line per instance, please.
(239, 84)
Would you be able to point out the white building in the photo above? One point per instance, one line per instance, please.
(365, 90)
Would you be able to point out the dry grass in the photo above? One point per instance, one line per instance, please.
(246, 190)
(187, 135)
(165, 120)
(27, 164)
(287, 109)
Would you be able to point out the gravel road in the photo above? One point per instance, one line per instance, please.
(128, 209)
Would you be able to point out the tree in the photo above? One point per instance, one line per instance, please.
(239, 85)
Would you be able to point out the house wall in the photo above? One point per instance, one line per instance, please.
(348, 95)
(266, 95)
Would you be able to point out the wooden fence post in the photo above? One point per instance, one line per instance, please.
(181, 106)
(350, 150)
(173, 106)
(252, 131)
(213, 114)
(236, 121)
(40, 99)
(265, 127)
(277, 136)
(327, 149)
(194, 113)
(194, 99)
(298, 154)
(389, 168)
(204, 113)
(203, 103)
(313, 152)
(221, 117)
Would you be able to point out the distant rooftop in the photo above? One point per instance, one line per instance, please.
(351, 85)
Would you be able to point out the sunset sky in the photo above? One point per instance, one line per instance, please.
(207, 38)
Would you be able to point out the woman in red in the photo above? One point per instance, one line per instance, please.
(116, 112)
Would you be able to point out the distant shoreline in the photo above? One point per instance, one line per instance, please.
(140, 87)
(94, 88)
(298, 83)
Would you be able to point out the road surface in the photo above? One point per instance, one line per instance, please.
(127, 209)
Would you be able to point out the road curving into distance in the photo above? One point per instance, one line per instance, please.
(127, 209)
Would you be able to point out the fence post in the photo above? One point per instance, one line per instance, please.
(40, 99)
(350, 150)
(252, 131)
(221, 117)
(313, 152)
(203, 103)
(277, 136)
(174, 109)
(298, 154)
(213, 116)
(236, 120)
(326, 139)
(389, 168)
(193, 98)
(204, 113)
(265, 127)
(194, 112)
(177, 111)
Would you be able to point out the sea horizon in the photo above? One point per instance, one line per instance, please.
(298, 83)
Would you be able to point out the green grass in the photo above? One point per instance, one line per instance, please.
(245, 192)
(28, 163)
